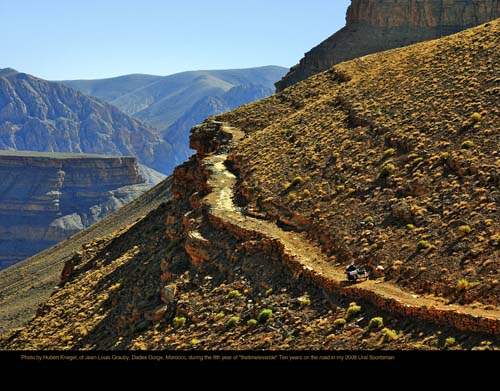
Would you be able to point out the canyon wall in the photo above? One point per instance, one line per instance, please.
(377, 25)
(46, 197)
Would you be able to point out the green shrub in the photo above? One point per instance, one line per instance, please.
(450, 341)
(423, 244)
(304, 301)
(352, 310)
(389, 335)
(234, 294)
(233, 321)
(179, 321)
(464, 230)
(195, 341)
(251, 322)
(219, 316)
(297, 181)
(264, 315)
(462, 285)
(467, 144)
(115, 287)
(387, 170)
(340, 322)
(475, 117)
(389, 152)
(376, 323)
(269, 292)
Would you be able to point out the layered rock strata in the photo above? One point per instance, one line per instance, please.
(45, 198)
(374, 26)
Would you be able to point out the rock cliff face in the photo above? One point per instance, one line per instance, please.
(378, 25)
(37, 115)
(44, 198)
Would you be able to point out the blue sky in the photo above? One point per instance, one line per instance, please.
(69, 39)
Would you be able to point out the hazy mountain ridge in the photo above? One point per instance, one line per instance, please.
(39, 115)
(173, 104)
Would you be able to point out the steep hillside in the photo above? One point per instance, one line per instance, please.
(374, 26)
(173, 104)
(47, 197)
(38, 115)
(390, 161)
(29, 283)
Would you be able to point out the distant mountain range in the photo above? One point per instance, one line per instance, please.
(38, 115)
(173, 104)
(145, 116)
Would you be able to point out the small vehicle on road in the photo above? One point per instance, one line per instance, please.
(355, 274)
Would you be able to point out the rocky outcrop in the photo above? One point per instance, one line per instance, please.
(178, 133)
(374, 26)
(37, 115)
(45, 198)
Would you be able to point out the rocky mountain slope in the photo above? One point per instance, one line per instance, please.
(47, 197)
(173, 104)
(38, 115)
(374, 25)
(29, 283)
(389, 161)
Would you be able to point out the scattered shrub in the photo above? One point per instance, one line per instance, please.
(115, 287)
(467, 144)
(234, 294)
(219, 316)
(389, 152)
(462, 285)
(304, 301)
(464, 230)
(423, 244)
(179, 322)
(387, 170)
(297, 180)
(292, 197)
(352, 310)
(251, 322)
(269, 292)
(340, 322)
(233, 321)
(389, 335)
(475, 117)
(376, 323)
(264, 315)
(450, 341)
(195, 341)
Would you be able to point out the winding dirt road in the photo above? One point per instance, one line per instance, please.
(308, 257)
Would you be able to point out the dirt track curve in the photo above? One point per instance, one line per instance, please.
(307, 258)
(26, 284)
